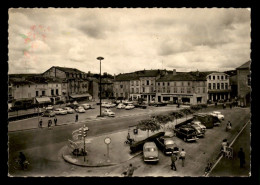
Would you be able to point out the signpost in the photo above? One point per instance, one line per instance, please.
(107, 142)
(83, 132)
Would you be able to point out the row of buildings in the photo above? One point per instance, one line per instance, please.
(66, 84)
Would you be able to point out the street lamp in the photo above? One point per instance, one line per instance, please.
(100, 58)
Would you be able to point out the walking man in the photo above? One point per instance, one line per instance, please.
(241, 156)
(40, 123)
(49, 123)
(173, 159)
(55, 120)
(77, 117)
(130, 170)
(182, 156)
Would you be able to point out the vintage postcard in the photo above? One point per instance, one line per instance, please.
(129, 92)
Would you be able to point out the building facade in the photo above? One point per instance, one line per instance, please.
(135, 86)
(184, 88)
(218, 86)
(244, 84)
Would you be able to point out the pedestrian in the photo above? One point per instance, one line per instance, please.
(173, 159)
(182, 156)
(241, 156)
(230, 105)
(216, 103)
(40, 123)
(130, 170)
(77, 117)
(224, 146)
(229, 126)
(49, 124)
(55, 120)
(208, 168)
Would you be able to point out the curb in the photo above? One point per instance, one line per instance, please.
(98, 165)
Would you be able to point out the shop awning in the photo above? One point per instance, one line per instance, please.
(80, 95)
(43, 100)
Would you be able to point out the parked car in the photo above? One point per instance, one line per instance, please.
(126, 102)
(186, 133)
(167, 145)
(49, 107)
(120, 106)
(159, 104)
(48, 113)
(199, 131)
(111, 105)
(69, 110)
(86, 106)
(150, 152)
(218, 114)
(142, 106)
(105, 105)
(60, 111)
(108, 112)
(195, 122)
(129, 106)
(80, 109)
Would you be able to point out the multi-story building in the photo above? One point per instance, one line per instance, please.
(77, 82)
(135, 89)
(218, 86)
(244, 84)
(187, 88)
(121, 87)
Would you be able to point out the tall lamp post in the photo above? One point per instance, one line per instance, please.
(100, 58)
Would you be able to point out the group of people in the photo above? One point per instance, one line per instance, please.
(55, 120)
(174, 158)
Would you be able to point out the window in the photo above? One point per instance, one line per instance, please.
(132, 83)
(37, 93)
(137, 90)
(188, 90)
(163, 83)
(175, 90)
(137, 83)
(43, 93)
(222, 85)
(188, 83)
(168, 83)
(198, 89)
(168, 90)
(226, 77)
(226, 85)
(151, 89)
(52, 92)
(57, 91)
(121, 86)
(174, 83)
(222, 77)
(56, 85)
(214, 86)
(182, 89)
(218, 86)
(204, 89)
(210, 77)
(147, 82)
(158, 83)
(163, 90)
(143, 89)
(209, 85)
(213, 77)
(121, 94)
(218, 77)
(132, 90)
(182, 83)
(17, 86)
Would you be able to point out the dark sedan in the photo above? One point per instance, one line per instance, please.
(167, 145)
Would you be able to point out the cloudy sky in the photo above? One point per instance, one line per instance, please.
(128, 39)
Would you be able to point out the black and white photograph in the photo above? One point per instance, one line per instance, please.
(129, 92)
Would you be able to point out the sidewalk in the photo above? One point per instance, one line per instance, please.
(118, 151)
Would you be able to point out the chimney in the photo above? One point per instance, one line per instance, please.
(197, 73)
(174, 72)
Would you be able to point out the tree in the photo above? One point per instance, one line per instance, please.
(163, 119)
(186, 112)
(148, 125)
(176, 115)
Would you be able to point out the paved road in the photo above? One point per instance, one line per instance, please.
(42, 147)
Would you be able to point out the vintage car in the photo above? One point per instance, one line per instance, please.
(167, 145)
(129, 106)
(186, 133)
(60, 111)
(69, 110)
(150, 152)
(48, 113)
(218, 114)
(108, 112)
(120, 106)
(86, 106)
(80, 109)
(196, 122)
(50, 107)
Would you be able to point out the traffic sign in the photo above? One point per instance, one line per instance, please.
(107, 140)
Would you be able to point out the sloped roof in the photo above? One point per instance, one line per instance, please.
(69, 70)
(127, 77)
(245, 65)
(184, 76)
